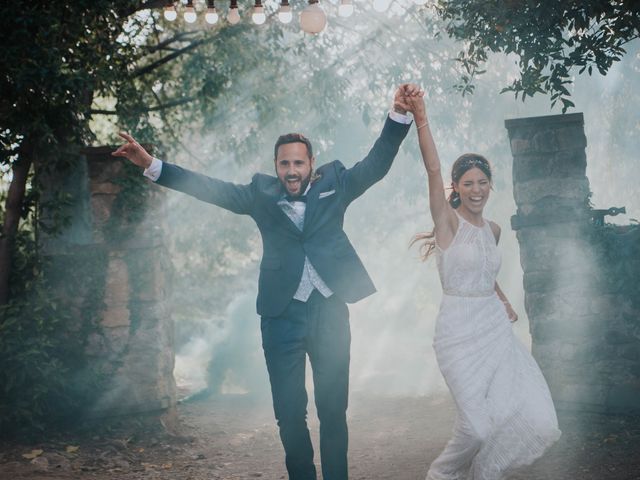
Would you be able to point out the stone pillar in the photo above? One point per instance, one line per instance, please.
(584, 328)
(110, 265)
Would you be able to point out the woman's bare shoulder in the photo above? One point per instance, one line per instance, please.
(495, 228)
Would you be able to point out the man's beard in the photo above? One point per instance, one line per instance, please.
(304, 183)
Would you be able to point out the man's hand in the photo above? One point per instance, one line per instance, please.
(399, 105)
(408, 98)
(413, 101)
(133, 151)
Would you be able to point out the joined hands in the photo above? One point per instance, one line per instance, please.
(409, 97)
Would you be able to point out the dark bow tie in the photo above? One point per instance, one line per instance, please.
(300, 198)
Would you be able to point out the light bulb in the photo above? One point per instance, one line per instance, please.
(258, 15)
(190, 15)
(381, 5)
(170, 13)
(346, 8)
(313, 19)
(284, 14)
(234, 16)
(211, 16)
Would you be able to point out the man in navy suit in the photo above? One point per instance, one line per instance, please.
(309, 271)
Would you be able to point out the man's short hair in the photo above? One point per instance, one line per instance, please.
(292, 138)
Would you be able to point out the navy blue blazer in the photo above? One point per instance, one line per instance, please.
(322, 238)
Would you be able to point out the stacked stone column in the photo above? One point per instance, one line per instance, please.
(111, 275)
(584, 328)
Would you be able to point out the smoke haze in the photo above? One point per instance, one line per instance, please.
(392, 331)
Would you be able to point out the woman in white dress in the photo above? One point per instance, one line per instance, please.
(505, 415)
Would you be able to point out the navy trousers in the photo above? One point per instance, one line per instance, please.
(320, 329)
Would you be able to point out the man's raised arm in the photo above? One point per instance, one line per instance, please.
(236, 198)
(376, 164)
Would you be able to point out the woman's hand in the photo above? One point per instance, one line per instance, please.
(511, 313)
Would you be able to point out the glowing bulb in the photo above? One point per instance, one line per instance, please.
(211, 16)
(284, 14)
(381, 5)
(234, 16)
(258, 15)
(190, 15)
(313, 19)
(346, 8)
(170, 13)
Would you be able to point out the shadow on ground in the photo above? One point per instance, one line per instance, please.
(234, 437)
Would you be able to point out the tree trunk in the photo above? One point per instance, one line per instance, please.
(13, 211)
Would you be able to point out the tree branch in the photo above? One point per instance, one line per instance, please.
(13, 211)
(152, 66)
(163, 106)
(165, 43)
(175, 137)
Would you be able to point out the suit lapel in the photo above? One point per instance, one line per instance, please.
(272, 196)
(312, 203)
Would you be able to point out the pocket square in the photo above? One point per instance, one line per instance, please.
(326, 194)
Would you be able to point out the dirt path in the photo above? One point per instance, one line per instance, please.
(234, 437)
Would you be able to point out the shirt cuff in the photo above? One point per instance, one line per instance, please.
(399, 117)
(154, 170)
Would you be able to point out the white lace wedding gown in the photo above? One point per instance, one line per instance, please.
(505, 415)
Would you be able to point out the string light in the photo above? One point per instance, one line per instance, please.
(313, 19)
(258, 15)
(381, 5)
(190, 13)
(346, 8)
(284, 14)
(211, 16)
(233, 16)
(170, 13)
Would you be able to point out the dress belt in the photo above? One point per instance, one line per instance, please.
(458, 293)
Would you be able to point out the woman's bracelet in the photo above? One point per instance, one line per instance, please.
(418, 127)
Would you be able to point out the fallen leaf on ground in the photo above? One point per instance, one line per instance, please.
(33, 454)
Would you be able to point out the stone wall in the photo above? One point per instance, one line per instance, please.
(580, 278)
(110, 267)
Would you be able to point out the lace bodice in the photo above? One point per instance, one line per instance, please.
(469, 266)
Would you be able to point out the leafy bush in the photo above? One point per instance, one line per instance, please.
(37, 350)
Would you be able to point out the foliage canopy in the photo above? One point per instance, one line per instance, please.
(551, 39)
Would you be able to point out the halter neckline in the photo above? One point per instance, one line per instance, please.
(484, 222)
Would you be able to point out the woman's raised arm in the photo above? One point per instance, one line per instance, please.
(444, 217)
